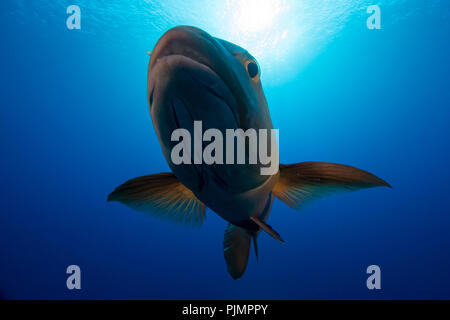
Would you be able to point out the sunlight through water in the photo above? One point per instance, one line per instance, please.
(283, 35)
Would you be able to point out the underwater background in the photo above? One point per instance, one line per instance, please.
(74, 124)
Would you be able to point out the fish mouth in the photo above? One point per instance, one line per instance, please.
(192, 56)
(178, 76)
(185, 41)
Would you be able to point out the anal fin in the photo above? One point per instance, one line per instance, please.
(267, 228)
(255, 245)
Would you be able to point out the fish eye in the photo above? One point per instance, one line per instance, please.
(252, 69)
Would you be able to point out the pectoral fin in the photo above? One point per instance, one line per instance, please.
(161, 195)
(308, 180)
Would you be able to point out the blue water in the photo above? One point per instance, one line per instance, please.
(74, 123)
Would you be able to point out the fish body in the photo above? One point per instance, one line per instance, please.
(196, 78)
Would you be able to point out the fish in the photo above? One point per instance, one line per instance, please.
(193, 76)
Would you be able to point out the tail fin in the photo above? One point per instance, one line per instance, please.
(308, 180)
(236, 249)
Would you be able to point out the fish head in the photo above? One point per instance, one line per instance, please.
(193, 76)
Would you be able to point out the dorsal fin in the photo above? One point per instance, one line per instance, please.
(161, 195)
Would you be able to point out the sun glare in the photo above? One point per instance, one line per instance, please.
(260, 26)
(283, 35)
(256, 15)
